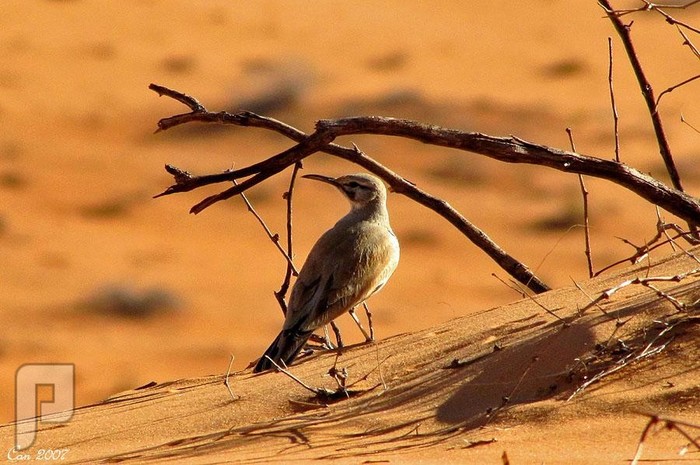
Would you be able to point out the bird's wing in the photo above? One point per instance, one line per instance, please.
(327, 288)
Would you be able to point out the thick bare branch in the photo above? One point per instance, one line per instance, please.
(505, 149)
(515, 150)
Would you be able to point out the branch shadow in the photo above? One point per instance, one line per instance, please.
(527, 372)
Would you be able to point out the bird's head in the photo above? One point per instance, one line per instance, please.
(360, 189)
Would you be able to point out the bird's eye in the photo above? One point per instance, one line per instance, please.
(353, 185)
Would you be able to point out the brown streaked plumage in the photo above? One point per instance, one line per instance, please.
(347, 265)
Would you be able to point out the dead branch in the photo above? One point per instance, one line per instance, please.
(339, 375)
(635, 355)
(505, 149)
(320, 392)
(184, 181)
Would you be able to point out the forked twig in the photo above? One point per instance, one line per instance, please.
(344, 390)
(688, 42)
(669, 424)
(641, 252)
(674, 87)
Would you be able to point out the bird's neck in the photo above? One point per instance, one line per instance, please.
(372, 211)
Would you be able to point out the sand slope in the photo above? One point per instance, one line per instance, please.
(410, 400)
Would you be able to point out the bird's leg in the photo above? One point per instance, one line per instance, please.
(359, 325)
(338, 339)
(369, 322)
(324, 341)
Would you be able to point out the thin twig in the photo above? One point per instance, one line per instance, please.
(318, 391)
(616, 118)
(592, 301)
(543, 307)
(643, 251)
(688, 42)
(357, 321)
(275, 238)
(584, 194)
(672, 88)
(281, 294)
(684, 121)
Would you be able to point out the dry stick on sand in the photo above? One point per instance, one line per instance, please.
(226, 379)
(645, 282)
(635, 355)
(506, 149)
(339, 375)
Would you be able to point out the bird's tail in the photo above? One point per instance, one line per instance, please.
(283, 350)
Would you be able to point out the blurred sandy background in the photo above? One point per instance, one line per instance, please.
(83, 246)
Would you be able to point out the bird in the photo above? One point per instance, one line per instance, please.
(348, 264)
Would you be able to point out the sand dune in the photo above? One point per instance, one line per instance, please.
(505, 379)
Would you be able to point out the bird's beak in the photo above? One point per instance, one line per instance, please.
(321, 178)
